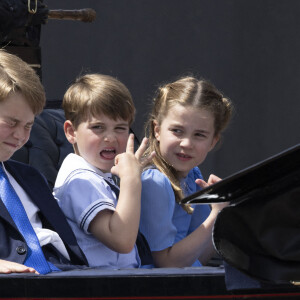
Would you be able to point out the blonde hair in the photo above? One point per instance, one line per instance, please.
(187, 91)
(94, 94)
(16, 76)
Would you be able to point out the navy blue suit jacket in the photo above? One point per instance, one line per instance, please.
(12, 245)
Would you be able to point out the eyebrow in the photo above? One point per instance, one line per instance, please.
(202, 131)
(103, 123)
(182, 126)
(122, 124)
(18, 121)
(197, 130)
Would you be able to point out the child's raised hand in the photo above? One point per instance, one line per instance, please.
(130, 163)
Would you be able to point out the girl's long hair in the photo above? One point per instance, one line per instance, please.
(187, 91)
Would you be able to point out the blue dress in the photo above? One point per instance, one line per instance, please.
(163, 221)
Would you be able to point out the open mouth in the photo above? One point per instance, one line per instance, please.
(108, 154)
(182, 156)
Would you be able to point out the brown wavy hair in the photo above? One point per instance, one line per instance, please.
(187, 91)
(94, 94)
(16, 76)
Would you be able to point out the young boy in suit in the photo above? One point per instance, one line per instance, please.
(22, 97)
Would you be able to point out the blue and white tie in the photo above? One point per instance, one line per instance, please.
(35, 257)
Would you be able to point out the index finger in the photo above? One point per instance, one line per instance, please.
(130, 144)
(213, 179)
(201, 183)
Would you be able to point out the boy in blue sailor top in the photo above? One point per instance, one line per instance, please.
(99, 111)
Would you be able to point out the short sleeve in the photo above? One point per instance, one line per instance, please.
(158, 204)
(83, 196)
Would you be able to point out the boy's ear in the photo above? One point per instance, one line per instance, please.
(214, 142)
(70, 132)
(156, 129)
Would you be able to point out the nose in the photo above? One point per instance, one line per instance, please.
(21, 133)
(109, 137)
(186, 142)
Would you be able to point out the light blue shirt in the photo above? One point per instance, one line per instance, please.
(82, 192)
(163, 221)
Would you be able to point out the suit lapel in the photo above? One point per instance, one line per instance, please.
(6, 216)
(36, 188)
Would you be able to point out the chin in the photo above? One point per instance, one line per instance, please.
(183, 173)
(105, 168)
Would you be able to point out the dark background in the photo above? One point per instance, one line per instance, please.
(248, 48)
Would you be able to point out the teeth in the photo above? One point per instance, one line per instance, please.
(183, 155)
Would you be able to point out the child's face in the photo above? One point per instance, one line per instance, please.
(16, 120)
(185, 137)
(100, 139)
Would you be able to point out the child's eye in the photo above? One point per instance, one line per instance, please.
(176, 130)
(200, 134)
(28, 126)
(97, 127)
(11, 123)
(121, 129)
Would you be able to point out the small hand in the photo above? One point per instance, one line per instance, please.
(7, 267)
(130, 161)
(212, 180)
(139, 154)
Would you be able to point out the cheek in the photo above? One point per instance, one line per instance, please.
(5, 132)
(165, 146)
(123, 142)
(25, 140)
(203, 150)
(26, 135)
